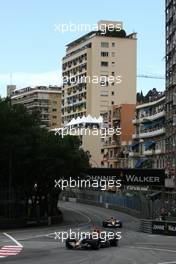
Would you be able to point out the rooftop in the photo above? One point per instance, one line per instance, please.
(105, 31)
(49, 88)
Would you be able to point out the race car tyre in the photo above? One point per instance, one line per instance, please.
(107, 243)
(104, 224)
(95, 245)
(67, 244)
(120, 225)
(114, 243)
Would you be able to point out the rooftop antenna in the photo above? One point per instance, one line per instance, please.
(11, 78)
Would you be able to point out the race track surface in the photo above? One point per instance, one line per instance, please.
(42, 246)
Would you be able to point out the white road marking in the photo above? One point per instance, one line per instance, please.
(13, 239)
(10, 250)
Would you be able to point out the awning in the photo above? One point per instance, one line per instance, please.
(148, 125)
(139, 163)
(149, 144)
(134, 145)
(153, 123)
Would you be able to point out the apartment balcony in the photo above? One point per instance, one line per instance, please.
(149, 134)
(105, 157)
(116, 116)
(149, 117)
(155, 116)
(152, 133)
(136, 121)
(159, 151)
(134, 154)
(170, 182)
(113, 157)
(148, 152)
(112, 144)
(135, 136)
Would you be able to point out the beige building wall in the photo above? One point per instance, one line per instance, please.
(45, 100)
(99, 99)
(93, 144)
(124, 65)
(54, 110)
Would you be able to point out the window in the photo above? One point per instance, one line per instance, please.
(104, 54)
(112, 93)
(104, 93)
(104, 44)
(174, 120)
(113, 44)
(112, 102)
(113, 73)
(103, 83)
(104, 80)
(174, 98)
(113, 63)
(104, 63)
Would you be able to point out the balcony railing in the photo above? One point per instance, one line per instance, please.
(148, 152)
(170, 182)
(134, 154)
(154, 133)
(149, 117)
(112, 143)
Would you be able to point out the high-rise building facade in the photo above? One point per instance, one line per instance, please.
(171, 87)
(148, 146)
(99, 70)
(44, 99)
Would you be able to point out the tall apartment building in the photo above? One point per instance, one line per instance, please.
(171, 87)
(115, 147)
(108, 60)
(148, 147)
(44, 99)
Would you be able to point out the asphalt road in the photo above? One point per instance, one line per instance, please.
(42, 245)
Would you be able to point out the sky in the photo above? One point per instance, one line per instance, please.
(31, 46)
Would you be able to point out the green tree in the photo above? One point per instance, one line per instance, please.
(31, 158)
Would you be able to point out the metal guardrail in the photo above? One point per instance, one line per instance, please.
(145, 226)
(107, 200)
(159, 227)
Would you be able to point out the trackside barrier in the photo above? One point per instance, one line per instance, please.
(117, 202)
(158, 227)
(145, 226)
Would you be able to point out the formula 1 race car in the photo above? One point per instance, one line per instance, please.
(112, 222)
(101, 240)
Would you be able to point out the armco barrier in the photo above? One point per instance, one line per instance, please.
(107, 200)
(158, 227)
(164, 228)
(145, 226)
